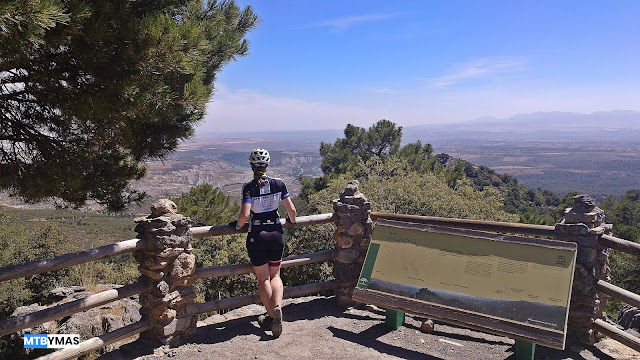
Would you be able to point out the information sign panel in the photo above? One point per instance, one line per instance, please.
(508, 285)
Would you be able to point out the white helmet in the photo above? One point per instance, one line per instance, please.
(259, 157)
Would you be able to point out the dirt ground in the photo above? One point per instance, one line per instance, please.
(316, 328)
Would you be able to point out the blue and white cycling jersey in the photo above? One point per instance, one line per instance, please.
(264, 202)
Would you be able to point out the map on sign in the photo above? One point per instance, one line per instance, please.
(515, 279)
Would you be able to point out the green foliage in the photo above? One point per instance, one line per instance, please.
(382, 139)
(28, 235)
(222, 251)
(22, 240)
(89, 90)
(206, 205)
(533, 206)
(308, 240)
(392, 186)
(419, 157)
(624, 214)
(18, 246)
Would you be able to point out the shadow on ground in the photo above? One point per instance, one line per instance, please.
(315, 327)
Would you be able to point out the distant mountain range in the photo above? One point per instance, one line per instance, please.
(556, 125)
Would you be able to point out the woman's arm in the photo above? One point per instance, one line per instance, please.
(291, 209)
(245, 210)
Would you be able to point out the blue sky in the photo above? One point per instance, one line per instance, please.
(323, 64)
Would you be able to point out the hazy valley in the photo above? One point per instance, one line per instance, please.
(597, 154)
(561, 152)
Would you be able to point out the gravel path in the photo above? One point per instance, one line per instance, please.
(315, 328)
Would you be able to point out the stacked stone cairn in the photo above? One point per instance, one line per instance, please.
(168, 266)
(353, 236)
(584, 224)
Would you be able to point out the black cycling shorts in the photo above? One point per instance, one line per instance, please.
(265, 247)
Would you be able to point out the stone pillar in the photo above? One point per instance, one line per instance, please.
(584, 224)
(168, 266)
(352, 236)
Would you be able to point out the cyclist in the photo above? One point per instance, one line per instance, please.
(265, 240)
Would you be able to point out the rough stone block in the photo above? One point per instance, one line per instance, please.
(167, 316)
(583, 271)
(155, 275)
(587, 240)
(364, 243)
(345, 241)
(356, 229)
(576, 319)
(182, 282)
(347, 256)
(184, 265)
(359, 198)
(187, 297)
(345, 272)
(167, 228)
(346, 199)
(171, 296)
(586, 255)
(603, 255)
(170, 252)
(345, 222)
(171, 241)
(583, 335)
(177, 325)
(153, 262)
(161, 289)
(572, 229)
(352, 187)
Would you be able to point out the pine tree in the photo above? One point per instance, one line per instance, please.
(91, 89)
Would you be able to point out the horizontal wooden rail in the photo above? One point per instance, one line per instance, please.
(619, 293)
(100, 341)
(217, 230)
(239, 301)
(494, 226)
(625, 246)
(17, 323)
(246, 268)
(66, 260)
(616, 334)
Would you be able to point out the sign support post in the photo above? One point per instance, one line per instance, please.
(394, 319)
(525, 350)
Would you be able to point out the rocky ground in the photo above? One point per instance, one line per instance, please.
(315, 328)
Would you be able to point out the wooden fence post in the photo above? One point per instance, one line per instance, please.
(353, 235)
(584, 224)
(168, 266)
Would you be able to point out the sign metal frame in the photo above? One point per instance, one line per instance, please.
(449, 314)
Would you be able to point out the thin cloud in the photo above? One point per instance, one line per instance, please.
(342, 24)
(231, 110)
(479, 68)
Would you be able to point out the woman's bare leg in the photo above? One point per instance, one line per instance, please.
(264, 287)
(277, 289)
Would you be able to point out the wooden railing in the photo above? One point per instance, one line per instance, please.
(493, 226)
(619, 293)
(246, 268)
(63, 261)
(18, 323)
(29, 320)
